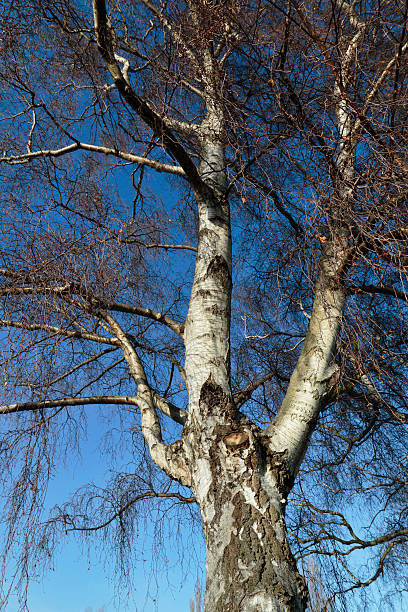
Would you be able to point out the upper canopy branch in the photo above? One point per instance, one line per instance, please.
(178, 39)
(379, 289)
(157, 123)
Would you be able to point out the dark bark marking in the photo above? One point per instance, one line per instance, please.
(204, 293)
(205, 231)
(217, 311)
(284, 479)
(212, 395)
(219, 269)
(213, 400)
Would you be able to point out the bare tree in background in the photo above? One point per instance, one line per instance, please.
(245, 317)
(196, 604)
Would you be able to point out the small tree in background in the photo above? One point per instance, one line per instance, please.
(196, 604)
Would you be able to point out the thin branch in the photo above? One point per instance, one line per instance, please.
(272, 193)
(374, 396)
(243, 396)
(171, 29)
(379, 289)
(377, 573)
(166, 407)
(75, 288)
(82, 364)
(186, 247)
(68, 401)
(59, 331)
(186, 500)
(384, 73)
(78, 146)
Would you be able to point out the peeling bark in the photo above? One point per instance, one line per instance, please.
(242, 487)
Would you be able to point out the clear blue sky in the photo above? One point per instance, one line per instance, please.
(74, 585)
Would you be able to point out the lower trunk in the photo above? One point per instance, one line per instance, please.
(249, 565)
(241, 488)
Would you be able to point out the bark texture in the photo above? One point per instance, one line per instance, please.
(242, 487)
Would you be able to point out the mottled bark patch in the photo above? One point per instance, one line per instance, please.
(219, 269)
(280, 470)
(250, 565)
(257, 564)
(214, 400)
(175, 456)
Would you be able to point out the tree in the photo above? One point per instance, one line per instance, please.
(281, 129)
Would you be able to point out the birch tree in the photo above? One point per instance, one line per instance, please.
(254, 298)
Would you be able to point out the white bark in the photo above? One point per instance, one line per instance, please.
(78, 146)
(170, 458)
(242, 496)
(240, 476)
(315, 371)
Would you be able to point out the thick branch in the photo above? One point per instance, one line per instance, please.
(172, 463)
(374, 396)
(141, 107)
(315, 372)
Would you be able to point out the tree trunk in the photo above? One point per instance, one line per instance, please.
(242, 488)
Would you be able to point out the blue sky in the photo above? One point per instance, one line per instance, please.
(73, 584)
(164, 577)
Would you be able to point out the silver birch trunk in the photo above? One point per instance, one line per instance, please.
(241, 476)
(240, 485)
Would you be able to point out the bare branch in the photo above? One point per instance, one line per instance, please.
(378, 289)
(143, 109)
(78, 146)
(169, 409)
(186, 247)
(95, 301)
(162, 455)
(149, 495)
(68, 401)
(171, 29)
(243, 396)
(162, 404)
(58, 331)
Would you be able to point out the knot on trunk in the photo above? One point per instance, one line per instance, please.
(236, 440)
